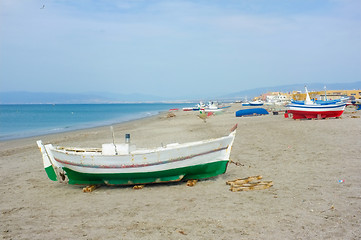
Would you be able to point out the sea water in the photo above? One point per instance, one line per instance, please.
(20, 121)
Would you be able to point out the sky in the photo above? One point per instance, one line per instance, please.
(176, 47)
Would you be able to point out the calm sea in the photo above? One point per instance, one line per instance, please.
(20, 121)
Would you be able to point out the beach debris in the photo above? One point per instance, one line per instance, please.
(203, 116)
(192, 182)
(234, 127)
(355, 116)
(244, 180)
(89, 188)
(236, 163)
(182, 232)
(249, 183)
(331, 208)
(341, 181)
(136, 187)
(170, 115)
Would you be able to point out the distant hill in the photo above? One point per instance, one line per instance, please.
(251, 93)
(103, 97)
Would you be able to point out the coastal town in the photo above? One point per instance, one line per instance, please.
(352, 95)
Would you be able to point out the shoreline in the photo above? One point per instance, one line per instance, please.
(67, 134)
(83, 129)
(61, 127)
(305, 160)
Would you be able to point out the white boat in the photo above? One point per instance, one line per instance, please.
(256, 103)
(212, 107)
(122, 164)
(215, 107)
(198, 107)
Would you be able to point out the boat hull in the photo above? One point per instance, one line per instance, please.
(174, 162)
(315, 111)
(171, 175)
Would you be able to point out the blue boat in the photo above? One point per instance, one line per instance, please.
(251, 112)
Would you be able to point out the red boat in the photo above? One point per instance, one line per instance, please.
(310, 109)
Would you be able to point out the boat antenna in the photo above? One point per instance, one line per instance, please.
(115, 146)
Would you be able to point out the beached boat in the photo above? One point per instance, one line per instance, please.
(256, 103)
(212, 107)
(357, 103)
(123, 164)
(198, 107)
(215, 107)
(311, 109)
(251, 112)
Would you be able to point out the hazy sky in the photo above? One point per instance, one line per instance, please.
(171, 48)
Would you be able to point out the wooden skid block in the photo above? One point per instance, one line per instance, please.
(247, 184)
(89, 188)
(243, 180)
(191, 183)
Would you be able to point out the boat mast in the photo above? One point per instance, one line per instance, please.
(115, 146)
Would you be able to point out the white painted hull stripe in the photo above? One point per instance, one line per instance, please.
(138, 165)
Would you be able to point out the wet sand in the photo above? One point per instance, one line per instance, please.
(305, 160)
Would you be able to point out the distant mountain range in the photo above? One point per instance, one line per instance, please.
(102, 97)
(251, 93)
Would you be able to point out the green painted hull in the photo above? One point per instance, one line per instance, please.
(171, 175)
(51, 173)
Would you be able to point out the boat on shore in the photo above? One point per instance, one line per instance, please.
(311, 109)
(357, 103)
(123, 164)
(251, 112)
(212, 106)
(256, 103)
(253, 103)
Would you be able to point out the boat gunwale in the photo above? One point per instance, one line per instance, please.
(141, 151)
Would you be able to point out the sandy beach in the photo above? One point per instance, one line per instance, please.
(305, 159)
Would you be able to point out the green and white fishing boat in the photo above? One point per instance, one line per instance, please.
(123, 164)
